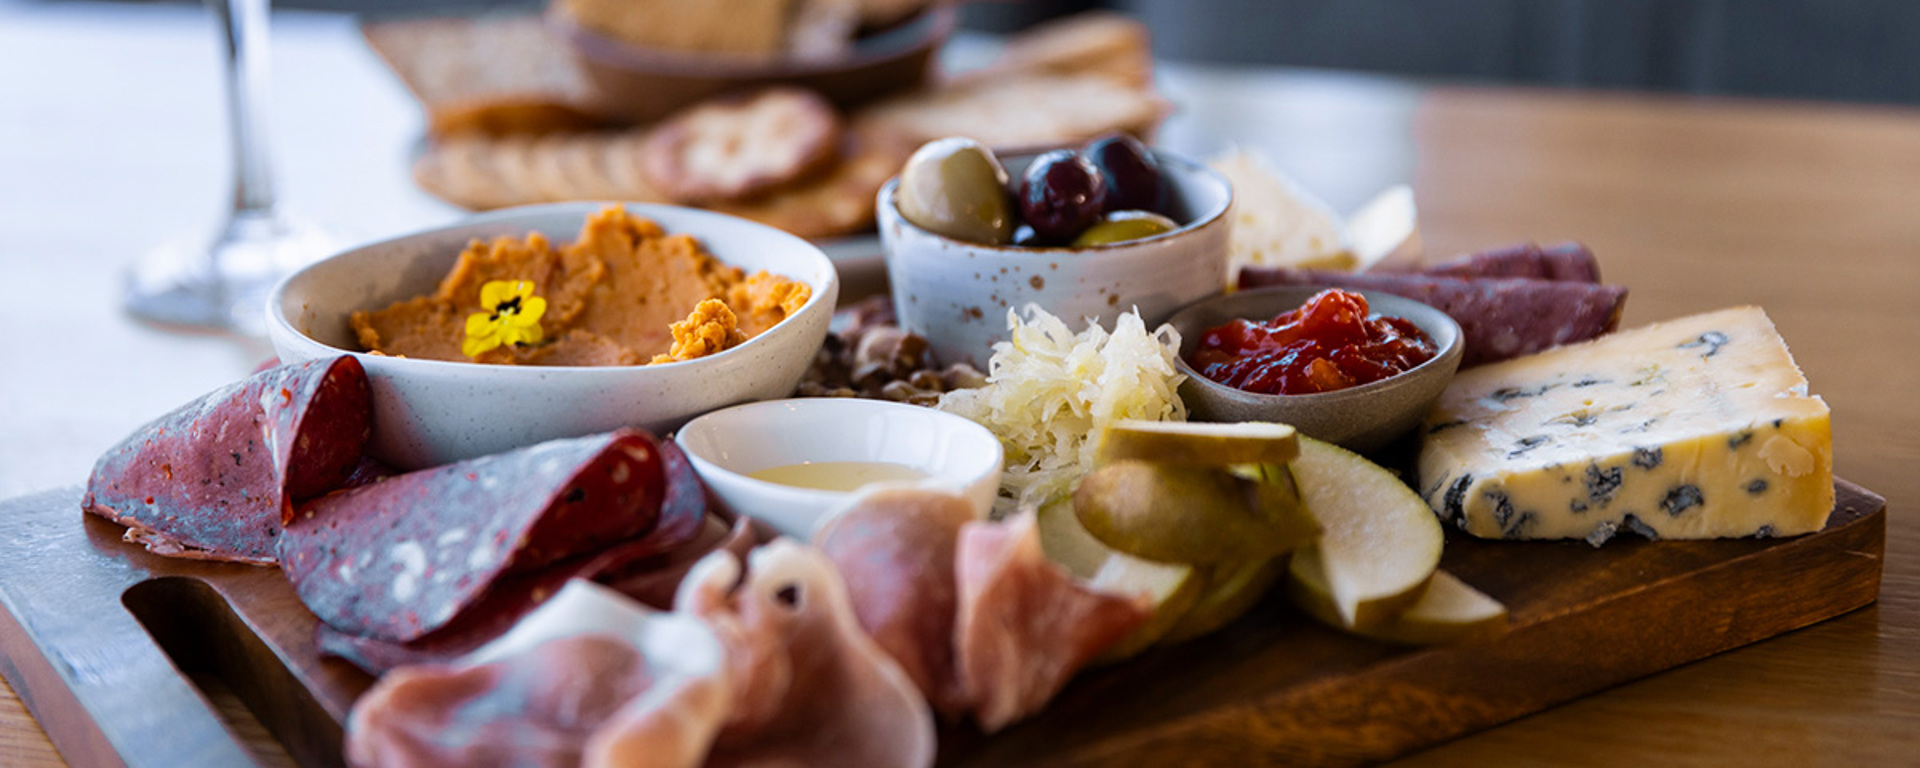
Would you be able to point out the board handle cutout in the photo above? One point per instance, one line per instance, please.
(200, 632)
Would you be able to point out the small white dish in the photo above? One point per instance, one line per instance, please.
(432, 412)
(727, 445)
(956, 293)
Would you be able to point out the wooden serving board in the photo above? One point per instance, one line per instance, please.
(96, 634)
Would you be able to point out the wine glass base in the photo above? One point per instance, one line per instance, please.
(221, 286)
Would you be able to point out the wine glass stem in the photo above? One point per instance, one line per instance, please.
(243, 27)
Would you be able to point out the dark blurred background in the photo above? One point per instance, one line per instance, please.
(1846, 50)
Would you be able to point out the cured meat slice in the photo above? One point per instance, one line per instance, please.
(649, 578)
(809, 687)
(589, 679)
(655, 580)
(537, 711)
(1025, 625)
(1499, 318)
(647, 569)
(895, 548)
(217, 478)
(402, 557)
(1570, 262)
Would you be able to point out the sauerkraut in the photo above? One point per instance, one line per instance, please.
(1050, 392)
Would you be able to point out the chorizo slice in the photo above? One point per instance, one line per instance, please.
(404, 556)
(218, 478)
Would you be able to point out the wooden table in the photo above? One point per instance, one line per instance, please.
(112, 143)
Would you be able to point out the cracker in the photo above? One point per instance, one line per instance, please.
(494, 75)
(734, 148)
(513, 161)
(484, 172)
(582, 160)
(1023, 112)
(1093, 43)
(461, 171)
(839, 201)
(740, 28)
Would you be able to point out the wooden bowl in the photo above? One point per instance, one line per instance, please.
(646, 84)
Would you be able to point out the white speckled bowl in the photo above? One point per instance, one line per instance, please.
(430, 412)
(957, 454)
(1362, 418)
(957, 293)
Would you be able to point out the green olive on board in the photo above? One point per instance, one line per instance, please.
(957, 188)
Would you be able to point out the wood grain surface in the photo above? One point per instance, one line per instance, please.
(1272, 687)
(1807, 210)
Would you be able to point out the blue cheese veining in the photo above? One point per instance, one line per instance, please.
(1699, 427)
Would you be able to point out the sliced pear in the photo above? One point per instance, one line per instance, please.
(1172, 588)
(1276, 496)
(1064, 541)
(1178, 513)
(1232, 590)
(1379, 542)
(1448, 611)
(1192, 442)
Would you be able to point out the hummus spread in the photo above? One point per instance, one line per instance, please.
(624, 293)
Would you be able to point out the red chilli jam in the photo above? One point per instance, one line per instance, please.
(1329, 343)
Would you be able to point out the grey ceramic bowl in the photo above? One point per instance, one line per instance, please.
(957, 294)
(1362, 418)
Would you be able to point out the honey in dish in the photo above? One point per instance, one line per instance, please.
(837, 475)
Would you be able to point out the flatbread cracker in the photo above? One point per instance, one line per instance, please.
(461, 171)
(1025, 112)
(1102, 43)
(482, 172)
(494, 75)
(840, 201)
(735, 148)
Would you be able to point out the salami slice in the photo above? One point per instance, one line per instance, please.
(1499, 317)
(1568, 262)
(648, 569)
(217, 478)
(402, 557)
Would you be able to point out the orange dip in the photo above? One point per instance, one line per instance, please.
(624, 293)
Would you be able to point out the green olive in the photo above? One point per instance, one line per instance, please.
(956, 187)
(1121, 226)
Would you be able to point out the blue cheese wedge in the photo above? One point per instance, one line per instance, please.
(1696, 428)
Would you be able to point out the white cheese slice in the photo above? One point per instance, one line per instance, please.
(1699, 427)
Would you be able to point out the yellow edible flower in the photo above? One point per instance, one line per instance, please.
(510, 315)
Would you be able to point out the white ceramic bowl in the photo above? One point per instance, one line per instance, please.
(957, 293)
(430, 412)
(957, 454)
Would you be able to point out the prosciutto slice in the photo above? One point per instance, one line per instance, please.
(590, 679)
(810, 688)
(217, 478)
(895, 548)
(404, 556)
(972, 610)
(1025, 624)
